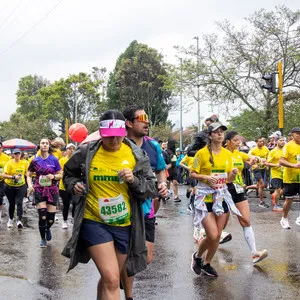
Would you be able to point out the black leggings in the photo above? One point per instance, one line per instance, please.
(15, 196)
(66, 199)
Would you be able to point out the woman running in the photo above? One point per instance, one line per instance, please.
(236, 189)
(15, 188)
(48, 172)
(112, 176)
(66, 196)
(212, 168)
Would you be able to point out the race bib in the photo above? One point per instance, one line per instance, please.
(44, 181)
(113, 210)
(221, 180)
(238, 188)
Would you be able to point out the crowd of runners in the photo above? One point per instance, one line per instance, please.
(115, 186)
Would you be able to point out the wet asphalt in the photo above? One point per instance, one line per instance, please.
(29, 272)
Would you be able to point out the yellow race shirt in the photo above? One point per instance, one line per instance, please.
(238, 162)
(15, 168)
(3, 160)
(62, 162)
(262, 152)
(188, 161)
(291, 152)
(222, 164)
(273, 158)
(108, 199)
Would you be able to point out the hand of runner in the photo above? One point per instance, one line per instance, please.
(163, 190)
(235, 171)
(126, 175)
(211, 179)
(79, 189)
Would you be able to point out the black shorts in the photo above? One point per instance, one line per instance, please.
(150, 229)
(191, 181)
(38, 198)
(235, 196)
(291, 189)
(172, 177)
(94, 233)
(209, 206)
(259, 174)
(277, 183)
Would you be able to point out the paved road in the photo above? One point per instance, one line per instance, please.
(28, 272)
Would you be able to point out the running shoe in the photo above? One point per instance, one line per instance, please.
(284, 222)
(56, 219)
(263, 204)
(64, 225)
(259, 255)
(209, 270)
(298, 221)
(177, 200)
(10, 223)
(48, 234)
(43, 243)
(277, 208)
(197, 264)
(190, 209)
(19, 224)
(225, 237)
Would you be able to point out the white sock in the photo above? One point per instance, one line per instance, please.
(250, 239)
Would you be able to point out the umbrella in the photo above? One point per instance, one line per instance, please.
(18, 143)
(92, 137)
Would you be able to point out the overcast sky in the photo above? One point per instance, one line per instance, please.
(55, 38)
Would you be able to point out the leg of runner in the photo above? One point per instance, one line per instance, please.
(109, 261)
(20, 194)
(175, 189)
(51, 210)
(286, 208)
(66, 199)
(244, 209)
(10, 194)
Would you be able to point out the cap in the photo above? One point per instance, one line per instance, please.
(215, 126)
(70, 145)
(295, 129)
(110, 128)
(17, 150)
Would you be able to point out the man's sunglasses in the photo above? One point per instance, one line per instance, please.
(142, 118)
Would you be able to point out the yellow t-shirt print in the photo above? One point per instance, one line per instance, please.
(105, 188)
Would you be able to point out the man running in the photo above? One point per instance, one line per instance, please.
(259, 169)
(276, 171)
(290, 160)
(137, 125)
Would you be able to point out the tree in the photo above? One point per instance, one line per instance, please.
(232, 67)
(140, 77)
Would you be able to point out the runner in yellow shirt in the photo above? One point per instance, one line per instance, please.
(276, 171)
(259, 169)
(290, 160)
(236, 189)
(3, 160)
(15, 189)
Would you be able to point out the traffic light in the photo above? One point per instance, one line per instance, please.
(63, 126)
(270, 83)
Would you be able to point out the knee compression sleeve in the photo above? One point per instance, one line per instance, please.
(42, 217)
(50, 219)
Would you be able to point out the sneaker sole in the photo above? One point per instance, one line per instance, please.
(261, 258)
(226, 239)
(43, 246)
(298, 223)
(208, 274)
(192, 265)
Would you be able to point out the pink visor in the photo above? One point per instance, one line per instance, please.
(110, 128)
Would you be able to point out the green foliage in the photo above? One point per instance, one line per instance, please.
(140, 77)
(164, 132)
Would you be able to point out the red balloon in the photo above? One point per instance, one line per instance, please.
(78, 132)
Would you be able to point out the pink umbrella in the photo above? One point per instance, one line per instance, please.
(92, 137)
(18, 143)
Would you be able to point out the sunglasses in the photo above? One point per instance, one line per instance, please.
(142, 118)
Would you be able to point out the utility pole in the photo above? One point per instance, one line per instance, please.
(198, 83)
(181, 86)
(280, 98)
